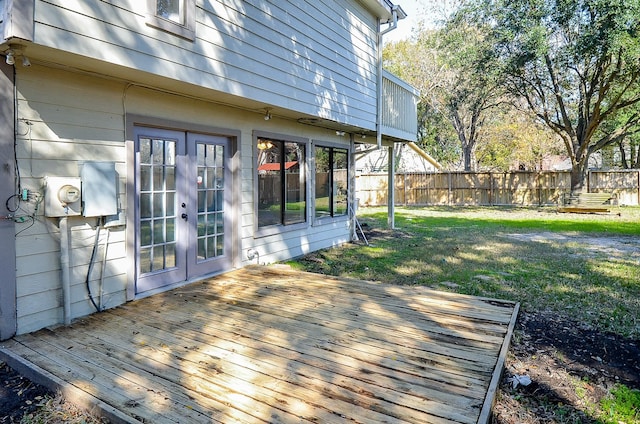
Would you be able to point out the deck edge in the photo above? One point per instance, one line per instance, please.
(71, 393)
(489, 401)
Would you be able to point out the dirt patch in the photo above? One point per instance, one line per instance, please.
(623, 247)
(19, 395)
(571, 366)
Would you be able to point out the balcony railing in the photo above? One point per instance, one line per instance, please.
(399, 109)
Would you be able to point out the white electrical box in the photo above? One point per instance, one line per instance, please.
(99, 189)
(62, 196)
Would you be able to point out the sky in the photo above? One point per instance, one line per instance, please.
(417, 11)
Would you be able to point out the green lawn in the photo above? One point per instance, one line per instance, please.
(534, 256)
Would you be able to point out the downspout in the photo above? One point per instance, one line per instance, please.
(392, 25)
(390, 195)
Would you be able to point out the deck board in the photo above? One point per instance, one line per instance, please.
(269, 345)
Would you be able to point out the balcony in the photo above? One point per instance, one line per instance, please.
(399, 109)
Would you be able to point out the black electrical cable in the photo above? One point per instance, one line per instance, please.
(17, 182)
(93, 255)
(17, 203)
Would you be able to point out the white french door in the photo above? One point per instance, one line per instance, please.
(183, 207)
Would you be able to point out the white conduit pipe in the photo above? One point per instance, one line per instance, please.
(104, 262)
(64, 265)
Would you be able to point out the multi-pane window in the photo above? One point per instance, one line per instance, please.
(331, 181)
(281, 182)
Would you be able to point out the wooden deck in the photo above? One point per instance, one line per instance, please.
(268, 345)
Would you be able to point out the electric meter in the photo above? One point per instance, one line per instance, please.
(68, 194)
(62, 196)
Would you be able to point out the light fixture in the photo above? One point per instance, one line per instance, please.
(267, 113)
(264, 144)
(340, 133)
(16, 51)
(10, 57)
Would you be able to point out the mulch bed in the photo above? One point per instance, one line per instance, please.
(560, 355)
(18, 394)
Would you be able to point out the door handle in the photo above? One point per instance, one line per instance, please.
(185, 216)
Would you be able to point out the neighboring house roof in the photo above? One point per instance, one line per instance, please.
(425, 155)
(276, 166)
(409, 158)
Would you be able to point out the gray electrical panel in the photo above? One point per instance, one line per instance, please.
(99, 189)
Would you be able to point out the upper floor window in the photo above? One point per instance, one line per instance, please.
(172, 10)
(281, 180)
(331, 181)
(175, 16)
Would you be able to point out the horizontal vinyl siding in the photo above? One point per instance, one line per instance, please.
(65, 120)
(290, 244)
(315, 57)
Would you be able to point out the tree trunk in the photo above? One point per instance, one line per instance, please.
(467, 157)
(578, 174)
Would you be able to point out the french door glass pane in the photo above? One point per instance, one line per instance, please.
(210, 198)
(145, 177)
(157, 204)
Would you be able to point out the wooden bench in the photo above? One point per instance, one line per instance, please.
(588, 203)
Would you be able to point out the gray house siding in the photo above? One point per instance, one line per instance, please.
(75, 118)
(321, 58)
(7, 189)
(100, 69)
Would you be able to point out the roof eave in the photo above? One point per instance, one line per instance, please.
(383, 9)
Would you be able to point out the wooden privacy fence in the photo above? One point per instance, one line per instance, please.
(517, 188)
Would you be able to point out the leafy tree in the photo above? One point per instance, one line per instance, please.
(415, 62)
(437, 136)
(574, 62)
(626, 143)
(514, 138)
(443, 64)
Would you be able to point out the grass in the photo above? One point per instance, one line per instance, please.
(533, 256)
(491, 252)
(623, 406)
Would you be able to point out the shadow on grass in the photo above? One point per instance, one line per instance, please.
(581, 301)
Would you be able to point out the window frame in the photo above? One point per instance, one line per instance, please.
(304, 170)
(187, 30)
(323, 220)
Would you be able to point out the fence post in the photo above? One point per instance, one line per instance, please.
(490, 188)
(404, 188)
(449, 188)
(538, 188)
